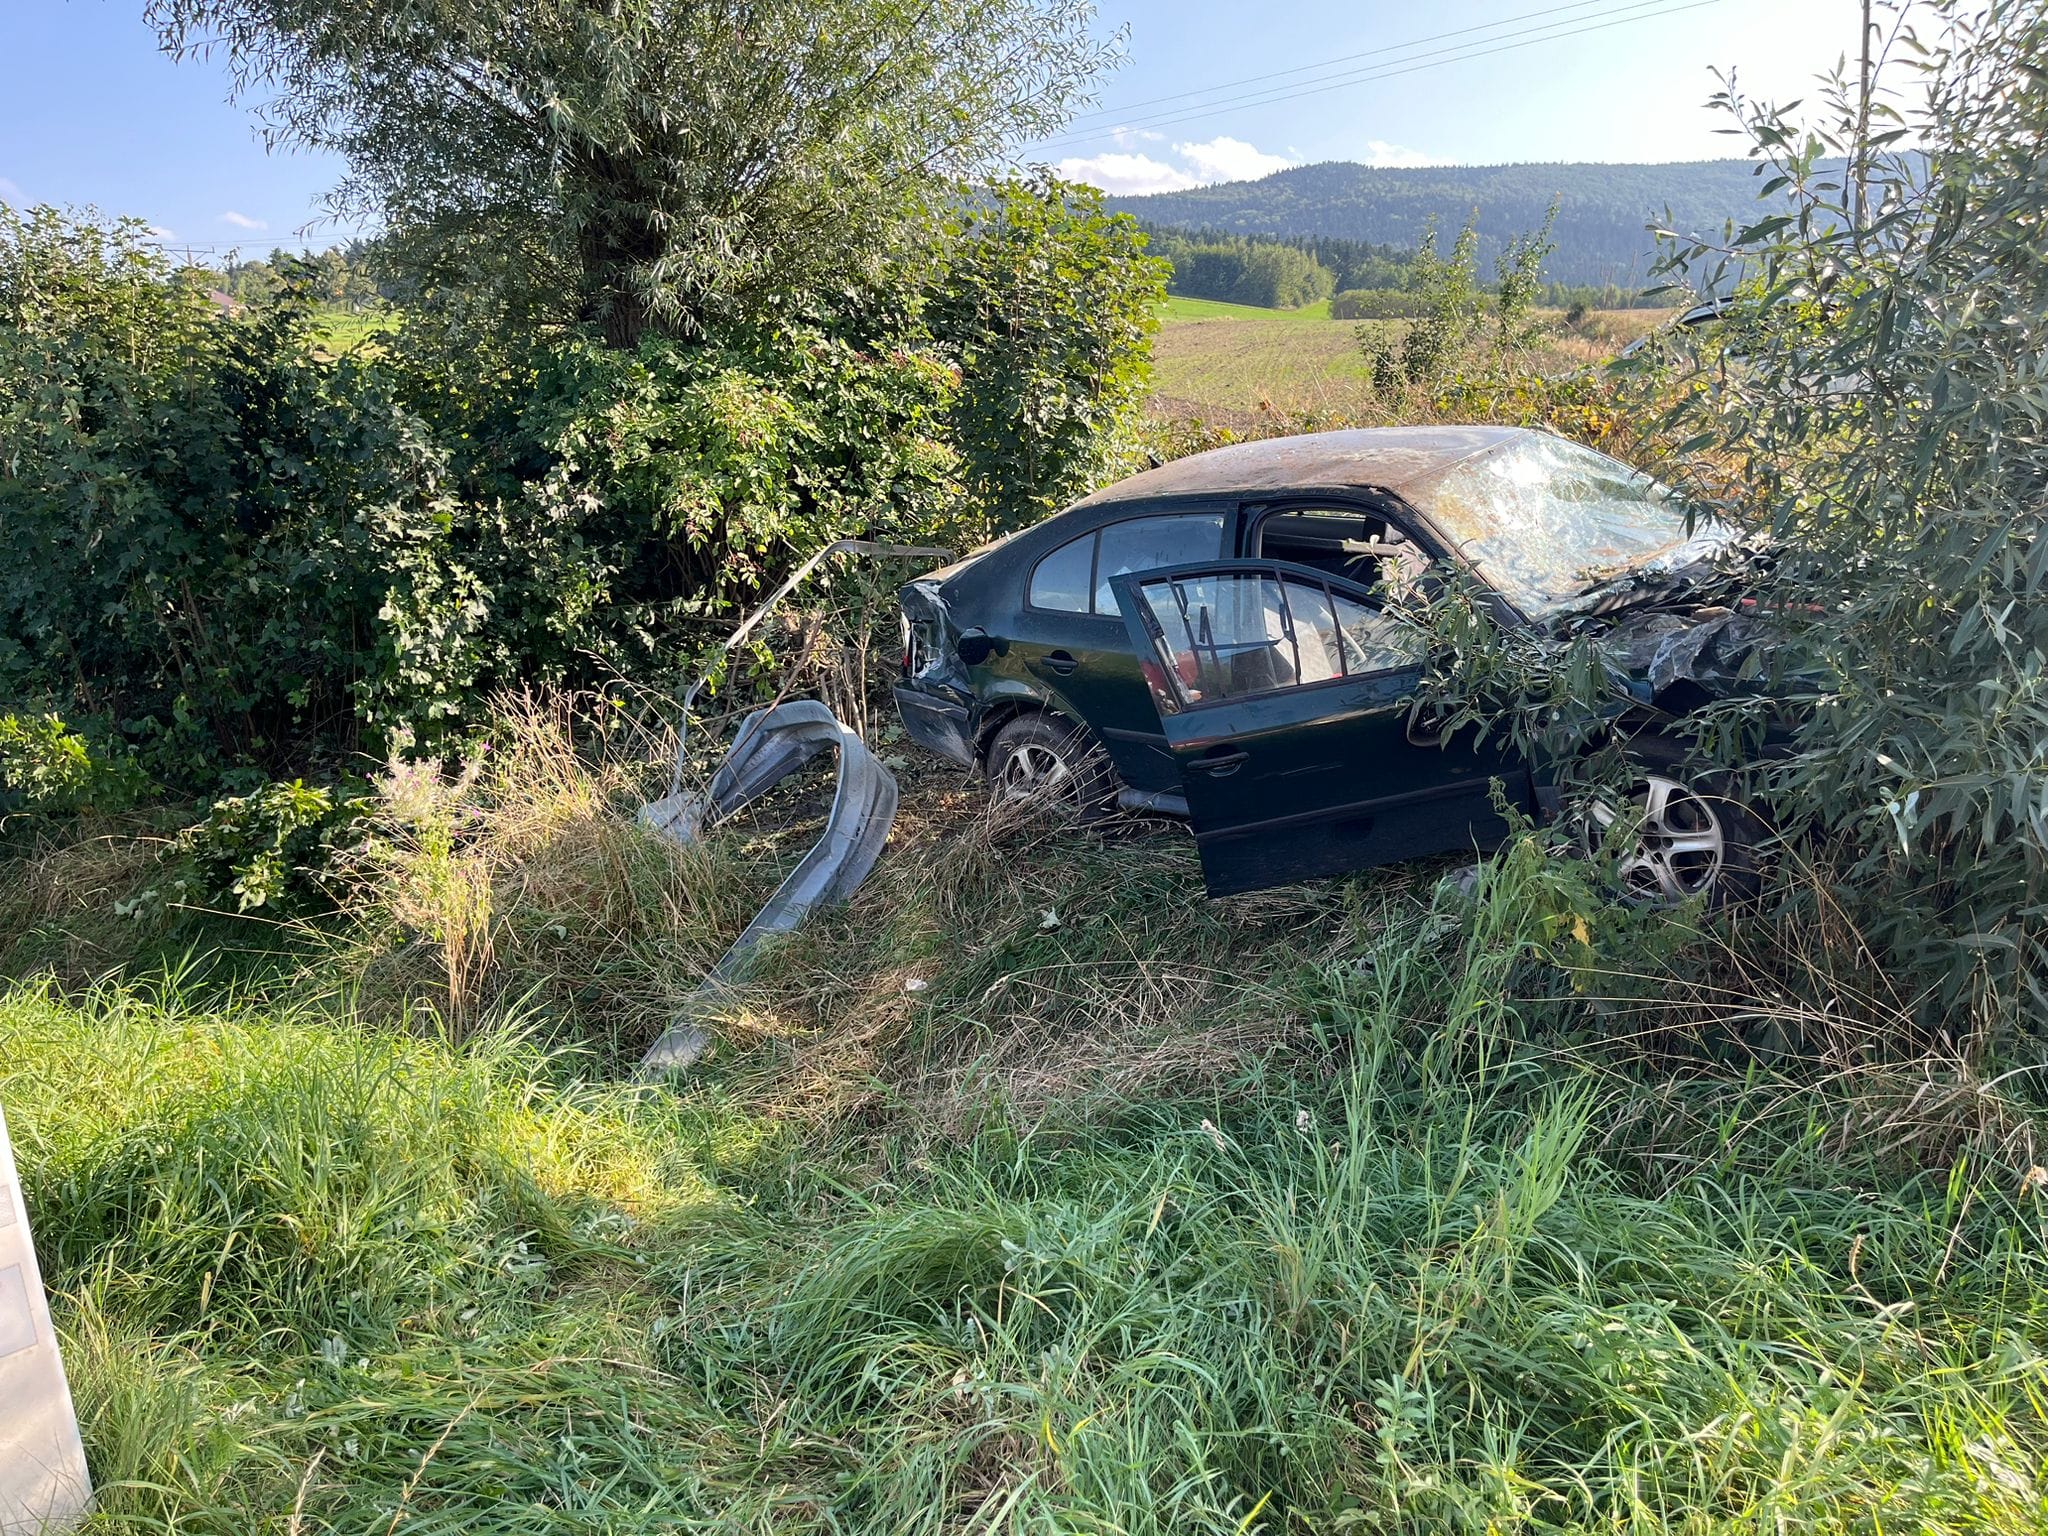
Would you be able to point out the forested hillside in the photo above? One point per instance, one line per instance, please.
(1602, 218)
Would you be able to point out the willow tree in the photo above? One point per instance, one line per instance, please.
(645, 163)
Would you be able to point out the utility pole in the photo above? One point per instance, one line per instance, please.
(1859, 168)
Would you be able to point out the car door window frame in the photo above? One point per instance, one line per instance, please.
(1152, 512)
(1172, 697)
(1399, 517)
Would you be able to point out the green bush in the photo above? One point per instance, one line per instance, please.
(250, 555)
(1376, 304)
(48, 769)
(1049, 304)
(206, 536)
(268, 848)
(1872, 408)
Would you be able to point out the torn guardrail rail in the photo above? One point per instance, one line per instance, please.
(771, 745)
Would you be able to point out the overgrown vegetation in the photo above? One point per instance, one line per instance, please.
(1870, 410)
(228, 551)
(1305, 1211)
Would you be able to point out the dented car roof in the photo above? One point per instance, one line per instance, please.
(1394, 459)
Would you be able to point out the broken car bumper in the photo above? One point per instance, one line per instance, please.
(938, 725)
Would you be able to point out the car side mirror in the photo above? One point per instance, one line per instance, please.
(974, 647)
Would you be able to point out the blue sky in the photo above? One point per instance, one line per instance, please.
(92, 114)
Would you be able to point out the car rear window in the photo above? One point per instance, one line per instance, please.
(1060, 580)
(1147, 543)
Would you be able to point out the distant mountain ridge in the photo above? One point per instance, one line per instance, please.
(1603, 211)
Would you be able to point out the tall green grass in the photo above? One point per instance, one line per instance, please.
(1439, 1257)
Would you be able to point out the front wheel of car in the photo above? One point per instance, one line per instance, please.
(1041, 759)
(1676, 836)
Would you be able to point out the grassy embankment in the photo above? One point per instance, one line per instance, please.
(1231, 361)
(1033, 1192)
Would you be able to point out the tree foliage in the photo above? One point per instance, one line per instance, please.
(343, 276)
(1452, 311)
(1876, 413)
(645, 162)
(1888, 413)
(233, 552)
(1268, 273)
(1049, 305)
(223, 549)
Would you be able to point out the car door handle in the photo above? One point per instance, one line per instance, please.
(1221, 767)
(1060, 662)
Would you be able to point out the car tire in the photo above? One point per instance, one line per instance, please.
(1692, 839)
(1041, 758)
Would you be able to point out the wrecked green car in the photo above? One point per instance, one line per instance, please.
(1210, 639)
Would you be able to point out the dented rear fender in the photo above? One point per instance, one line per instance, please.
(931, 642)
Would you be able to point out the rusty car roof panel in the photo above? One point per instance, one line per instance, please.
(1396, 459)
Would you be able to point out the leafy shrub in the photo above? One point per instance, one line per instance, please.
(1376, 304)
(270, 847)
(1886, 421)
(48, 769)
(249, 554)
(205, 535)
(1049, 304)
(1881, 425)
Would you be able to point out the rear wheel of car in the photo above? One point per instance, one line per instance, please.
(1042, 759)
(1676, 835)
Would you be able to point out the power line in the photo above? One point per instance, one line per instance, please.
(1345, 58)
(1435, 58)
(1388, 72)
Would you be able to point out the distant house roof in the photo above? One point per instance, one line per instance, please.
(1395, 459)
(226, 303)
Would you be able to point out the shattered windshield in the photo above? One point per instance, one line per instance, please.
(1544, 520)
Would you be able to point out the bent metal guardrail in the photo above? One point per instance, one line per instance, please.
(771, 745)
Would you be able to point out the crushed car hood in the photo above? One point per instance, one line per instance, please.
(1709, 646)
(1689, 625)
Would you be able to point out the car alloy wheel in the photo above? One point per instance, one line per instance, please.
(1045, 760)
(1675, 848)
(1035, 771)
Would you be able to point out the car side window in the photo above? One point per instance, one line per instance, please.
(1236, 634)
(1147, 543)
(1059, 582)
(1373, 640)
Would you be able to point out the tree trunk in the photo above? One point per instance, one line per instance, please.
(617, 240)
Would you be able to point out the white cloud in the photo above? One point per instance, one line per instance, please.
(1123, 175)
(242, 220)
(1379, 153)
(1228, 159)
(11, 192)
(1128, 173)
(1126, 137)
(158, 232)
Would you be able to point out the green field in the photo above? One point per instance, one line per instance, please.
(1225, 362)
(335, 331)
(1177, 308)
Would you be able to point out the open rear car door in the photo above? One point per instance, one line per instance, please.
(1286, 696)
